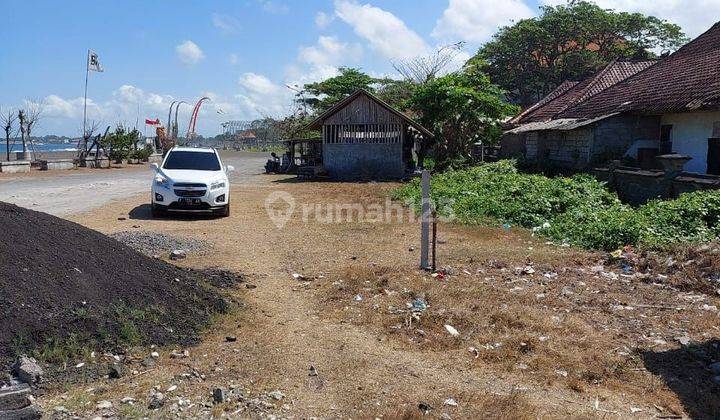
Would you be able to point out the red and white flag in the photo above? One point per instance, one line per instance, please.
(152, 122)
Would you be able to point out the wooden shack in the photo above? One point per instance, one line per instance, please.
(365, 138)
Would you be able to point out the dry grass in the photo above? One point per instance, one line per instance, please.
(378, 361)
(579, 331)
(497, 407)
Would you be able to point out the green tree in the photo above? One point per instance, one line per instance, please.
(570, 41)
(396, 93)
(320, 96)
(120, 143)
(460, 109)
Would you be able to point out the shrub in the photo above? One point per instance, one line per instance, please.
(577, 210)
(142, 154)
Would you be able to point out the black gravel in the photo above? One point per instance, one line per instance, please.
(60, 281)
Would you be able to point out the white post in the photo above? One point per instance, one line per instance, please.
(425, 221)
(87, 74)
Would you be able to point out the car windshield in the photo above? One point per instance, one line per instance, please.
(195, 161)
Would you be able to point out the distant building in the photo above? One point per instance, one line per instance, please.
(670, 106)
(365, 138)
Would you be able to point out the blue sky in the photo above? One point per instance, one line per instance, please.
(240, 53)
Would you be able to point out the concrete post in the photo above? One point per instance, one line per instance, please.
(425, 221)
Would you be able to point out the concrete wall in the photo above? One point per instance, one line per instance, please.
(614, 136)
(690, 134)
(566, 149)
(348, 161)
(637, 186)
(57, 164)
(604, 140)
(14, 167)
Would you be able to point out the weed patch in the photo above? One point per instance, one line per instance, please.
(577, 210)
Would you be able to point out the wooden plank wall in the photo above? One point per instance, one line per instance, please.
(363, 110)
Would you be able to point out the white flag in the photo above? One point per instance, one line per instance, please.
(93, 62)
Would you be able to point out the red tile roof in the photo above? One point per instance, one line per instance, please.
(555, 104)
(688, 79)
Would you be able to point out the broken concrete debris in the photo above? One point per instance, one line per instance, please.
(178, 254)
(28, 370)
(16, 402)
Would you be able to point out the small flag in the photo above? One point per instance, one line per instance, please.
(93, 62)
(152, 122)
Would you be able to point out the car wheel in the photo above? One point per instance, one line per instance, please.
(157, 211)
(225, 212)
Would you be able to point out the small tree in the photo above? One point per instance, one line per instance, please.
(460, 108)
(7, 119)
(120, 143)
(28, 119)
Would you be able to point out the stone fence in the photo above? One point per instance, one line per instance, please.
(636, 186)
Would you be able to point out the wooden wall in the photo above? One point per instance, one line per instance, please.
(363, 110)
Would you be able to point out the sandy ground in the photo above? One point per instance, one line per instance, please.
(333, 355)
(74, 191)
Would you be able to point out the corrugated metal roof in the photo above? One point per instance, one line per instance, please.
(563, 124)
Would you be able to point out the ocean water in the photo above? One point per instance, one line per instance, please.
(45, 147)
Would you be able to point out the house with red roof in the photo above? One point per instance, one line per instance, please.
(632, 111)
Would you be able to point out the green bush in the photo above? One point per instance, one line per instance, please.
(120, 142)
(577, 210)
(142, 154)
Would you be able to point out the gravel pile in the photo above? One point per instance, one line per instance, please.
(152, 243)
(60, 280)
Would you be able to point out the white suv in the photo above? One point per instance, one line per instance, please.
(191, 180)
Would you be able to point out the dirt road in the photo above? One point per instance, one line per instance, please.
(339, 341)
(67, 192)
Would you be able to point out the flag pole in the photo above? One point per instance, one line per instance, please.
(87, 73)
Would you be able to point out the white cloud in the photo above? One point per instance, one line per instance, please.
(226, 24)
(189, 53)
(695, 16)
(55, 106)
(233, 59)
(274, 7)
(330, 51)
(477, 20)
(258, 84)
(322, 20)
(262, 96)
(381, 29)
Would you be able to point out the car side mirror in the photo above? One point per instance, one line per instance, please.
(154, 166)
(230, 168)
